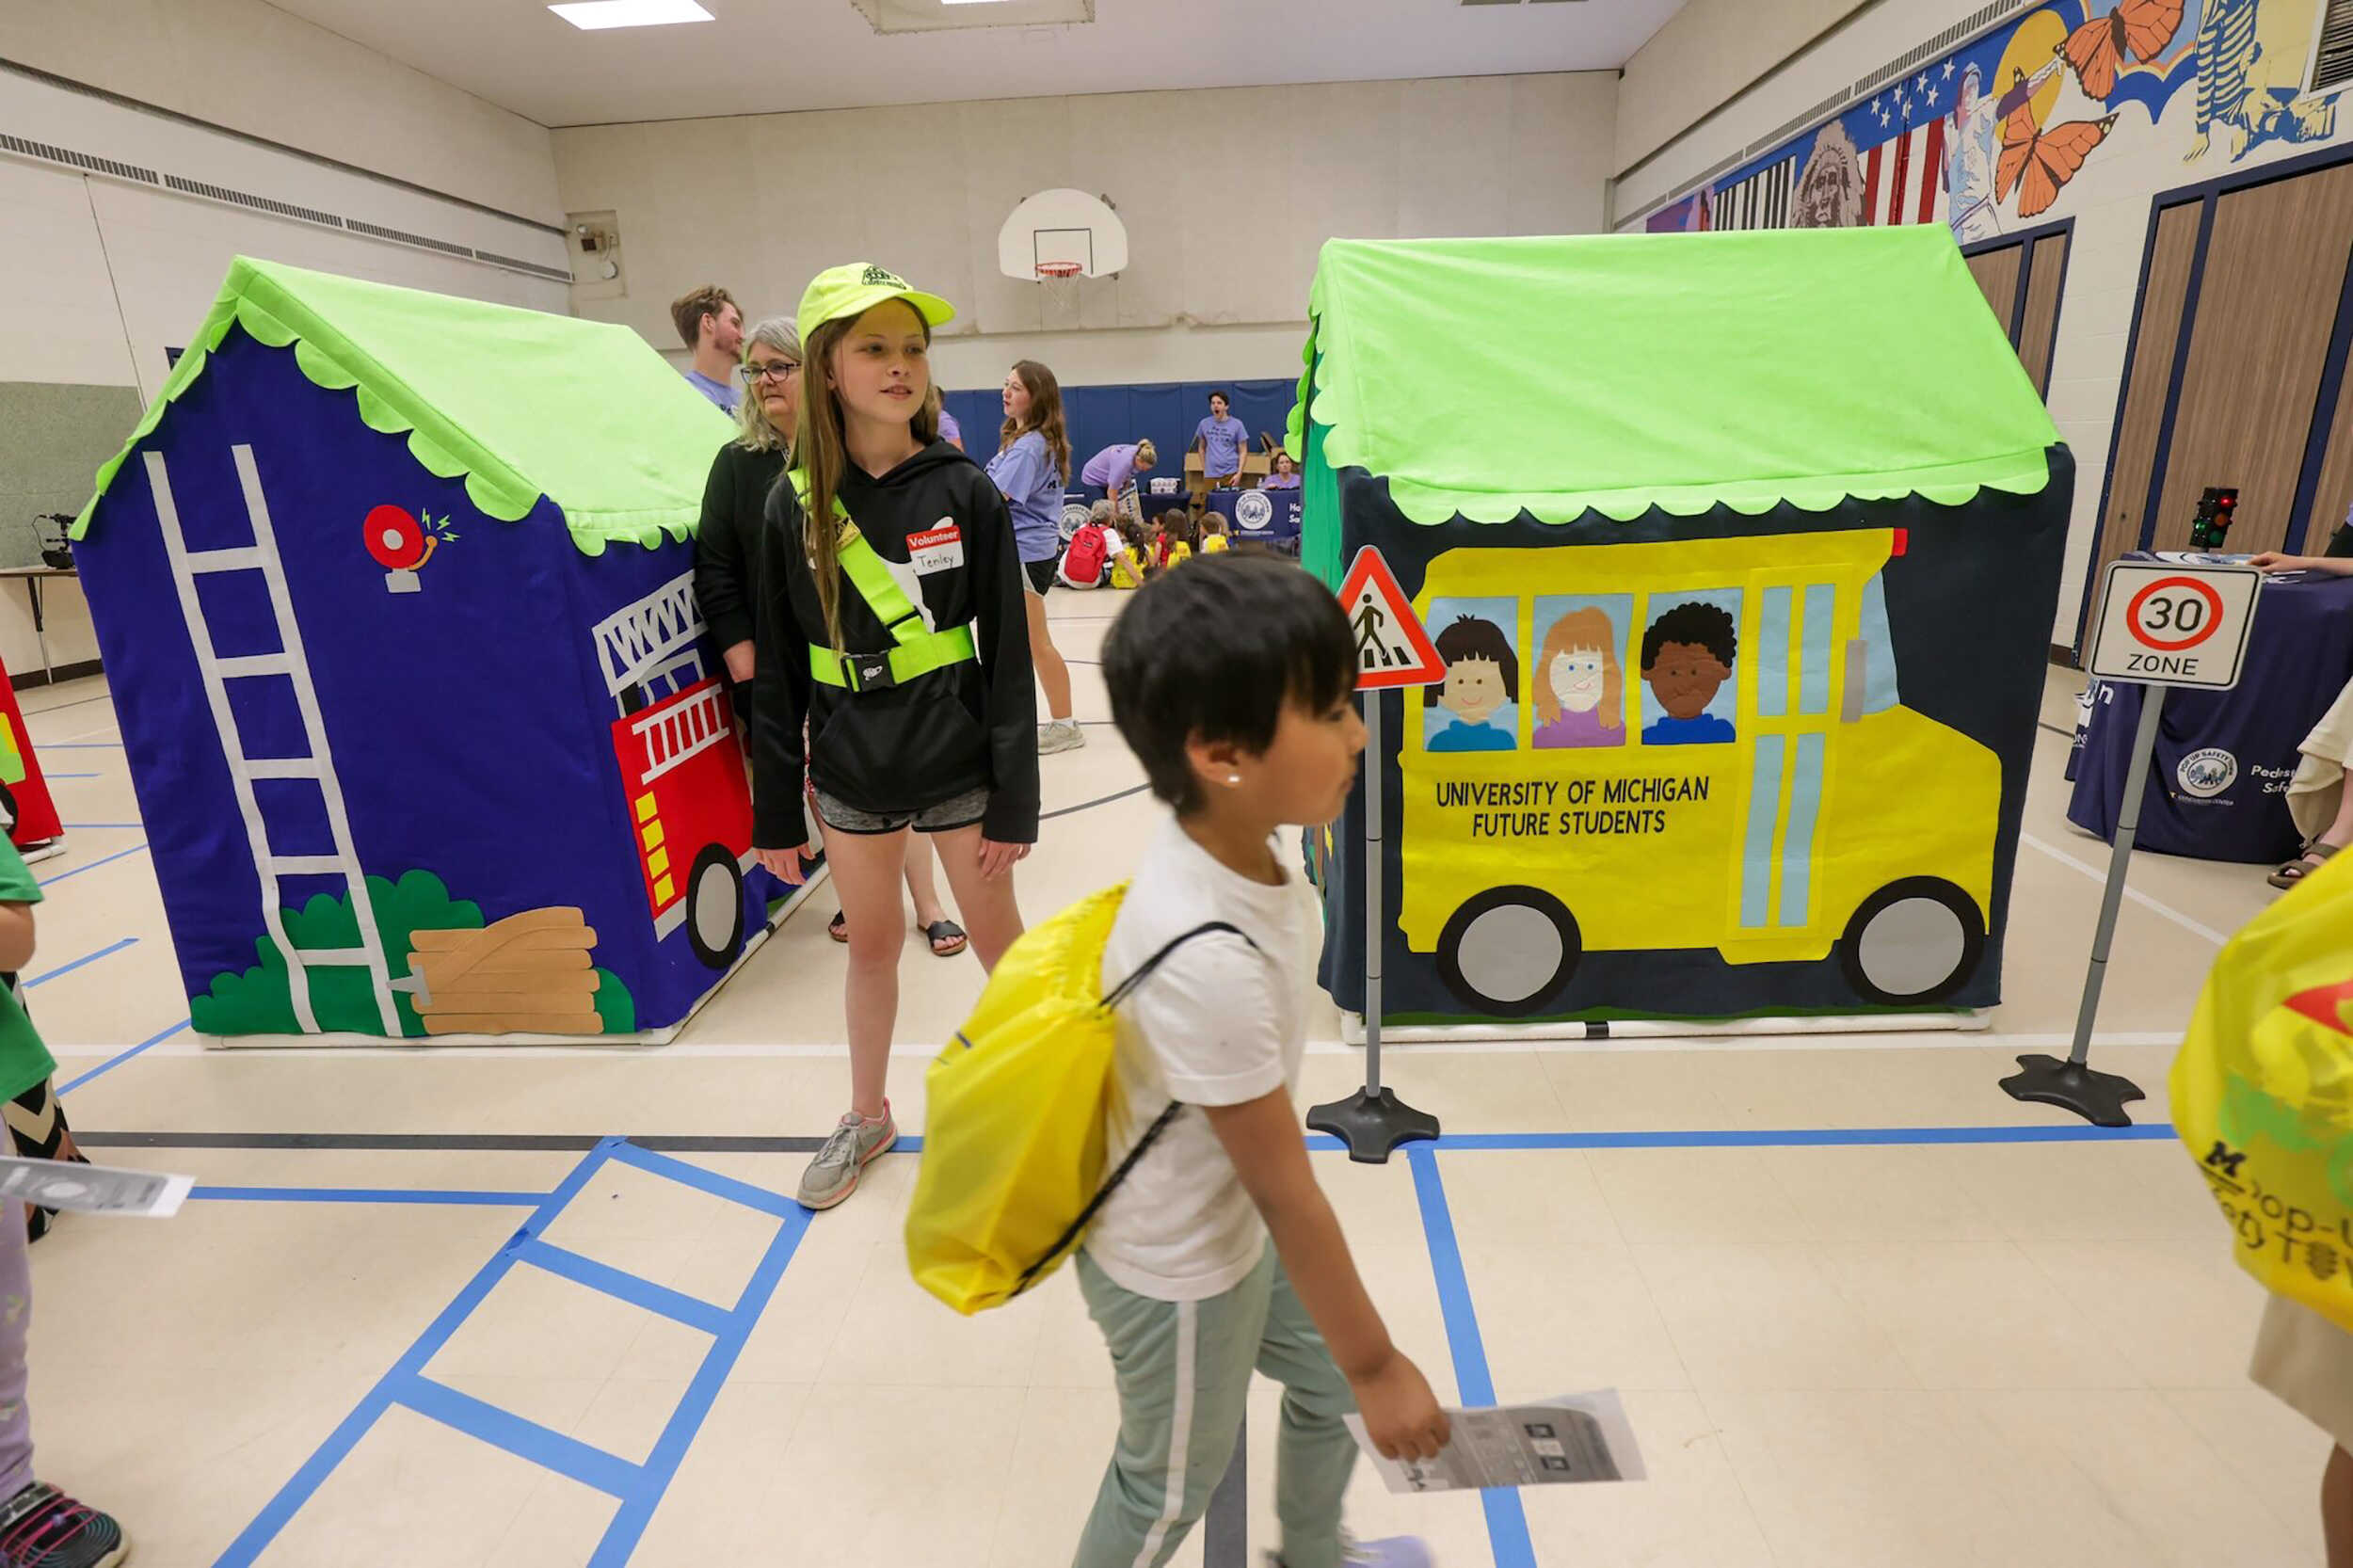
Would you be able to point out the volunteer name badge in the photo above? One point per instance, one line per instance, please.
(2163, 624)
(938, 547)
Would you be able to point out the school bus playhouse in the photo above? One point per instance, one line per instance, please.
(395, 592)
(1742, 551)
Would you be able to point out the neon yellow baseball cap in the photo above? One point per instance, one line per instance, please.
(856, 288)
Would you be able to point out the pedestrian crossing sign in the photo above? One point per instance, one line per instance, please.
(1392, 649)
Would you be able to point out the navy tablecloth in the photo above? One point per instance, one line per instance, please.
(1269, 516)
(2218, 790)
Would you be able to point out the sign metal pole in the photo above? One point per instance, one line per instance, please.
(2161, 625)
(1372, 1121)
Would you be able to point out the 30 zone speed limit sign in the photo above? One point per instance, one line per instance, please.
(2167, 625)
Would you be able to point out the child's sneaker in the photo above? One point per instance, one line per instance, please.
(42, 1527)
(1398, 1551)
(833, 1174)
(1060, 735)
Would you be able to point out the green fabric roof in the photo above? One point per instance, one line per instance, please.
(521, 403)
(1619, 372)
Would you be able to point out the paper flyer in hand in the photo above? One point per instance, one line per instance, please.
(1576, 1437)
(92, 1188)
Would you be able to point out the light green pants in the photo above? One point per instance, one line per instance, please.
(1184, 1377)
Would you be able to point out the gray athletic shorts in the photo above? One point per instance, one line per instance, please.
(963, 810)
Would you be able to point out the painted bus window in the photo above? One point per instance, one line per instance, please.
(1578, 683)
(1474, 709)
(1687, 659)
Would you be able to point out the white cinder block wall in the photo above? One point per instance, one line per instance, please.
(1225, 195)
(104, 275)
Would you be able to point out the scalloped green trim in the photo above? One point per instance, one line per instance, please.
(1328, 395)
(438, 447)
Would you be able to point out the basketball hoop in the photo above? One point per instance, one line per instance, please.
(1060, 279)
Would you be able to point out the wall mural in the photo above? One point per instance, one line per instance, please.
(1992, 139)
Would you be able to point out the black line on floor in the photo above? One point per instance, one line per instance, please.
(1225, 1529)
(61, 707)
(1085, 806)
(493, 1142)
(2063, 734)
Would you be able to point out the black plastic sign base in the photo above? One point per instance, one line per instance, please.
(2098, 1097)
(1373, 1123)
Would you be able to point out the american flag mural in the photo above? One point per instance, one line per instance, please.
(1904, 177)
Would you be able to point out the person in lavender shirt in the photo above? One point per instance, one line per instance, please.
(1220, 438)
(950, 431)
(1285, 474)
(1113, 472)
(1030, 468)
(710, 326)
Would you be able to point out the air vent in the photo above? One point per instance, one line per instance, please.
(516, 264)
(89, 162)
(247, 199)
(1968, 27)
(2335, 67)
(1798, 123)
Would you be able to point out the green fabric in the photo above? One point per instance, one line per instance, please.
(23, 1060)
(1621, 372)
(519, 403)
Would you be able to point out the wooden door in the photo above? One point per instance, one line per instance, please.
(2274, 273)
(2141, 424)
(1996, 272)
(2037, 326)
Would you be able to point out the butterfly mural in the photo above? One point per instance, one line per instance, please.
(2135, 31)
(2034, 162)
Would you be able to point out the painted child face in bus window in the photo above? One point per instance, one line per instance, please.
(1686, 678)
(1577, 680)
(1474, 689)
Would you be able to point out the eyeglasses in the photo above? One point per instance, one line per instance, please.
(776, 369)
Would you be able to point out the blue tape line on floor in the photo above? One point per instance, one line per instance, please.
(1784, 1138)
(622, 1286)
(708, 1181)
(527, 1440)
(104, 860)
(450, 1197)
(256, 1537)
(119, 1057)
(43, 978)
(1506, 1523)
(72, 775)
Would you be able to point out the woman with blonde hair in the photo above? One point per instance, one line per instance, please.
(1111, 474)
(1581, 686)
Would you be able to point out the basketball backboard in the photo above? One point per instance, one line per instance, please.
(1061, 228)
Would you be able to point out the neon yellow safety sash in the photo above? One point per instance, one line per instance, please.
(917, 651)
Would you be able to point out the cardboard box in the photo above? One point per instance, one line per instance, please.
(1196, 477)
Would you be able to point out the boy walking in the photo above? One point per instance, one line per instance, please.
(1232, 680)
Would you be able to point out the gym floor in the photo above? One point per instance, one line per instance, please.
(424, 1308)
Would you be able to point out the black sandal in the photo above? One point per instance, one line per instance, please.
(840, 928)
(946, 931)
(2315, 855)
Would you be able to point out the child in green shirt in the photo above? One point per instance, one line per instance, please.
(39, 1525)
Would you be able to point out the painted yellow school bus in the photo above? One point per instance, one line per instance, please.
(1806, 810)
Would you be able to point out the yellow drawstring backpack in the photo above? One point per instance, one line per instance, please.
(2263, 1092)
(1015, 1111)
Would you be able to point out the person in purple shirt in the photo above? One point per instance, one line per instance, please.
(1114, 469)
(1032, 466)
(1220, 438)
(950, 431)
(1285, 474)
(710, 326)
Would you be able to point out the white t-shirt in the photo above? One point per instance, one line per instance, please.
(1220, 1023)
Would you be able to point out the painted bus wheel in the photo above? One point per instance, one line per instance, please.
(1509, 951)
(1913, 941)
(714, 907)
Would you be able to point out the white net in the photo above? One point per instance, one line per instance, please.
(1058, 293)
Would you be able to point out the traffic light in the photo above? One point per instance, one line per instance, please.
(2214, 510)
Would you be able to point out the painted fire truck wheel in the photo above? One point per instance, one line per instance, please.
(396, 538)
(714, 907)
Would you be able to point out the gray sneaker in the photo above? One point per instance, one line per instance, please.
(1060, 735)
(833, 1174)
(1398, 1551)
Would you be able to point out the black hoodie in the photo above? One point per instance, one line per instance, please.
(906, 748)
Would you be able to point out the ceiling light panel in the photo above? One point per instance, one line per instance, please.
(596, 15)
(934, 16)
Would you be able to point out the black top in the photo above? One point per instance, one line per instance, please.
(726, 546)
(898, 749)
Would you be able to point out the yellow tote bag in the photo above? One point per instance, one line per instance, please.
(1015, 1115)
(2263, 1092)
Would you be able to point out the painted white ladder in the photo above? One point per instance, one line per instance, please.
(289, 664)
